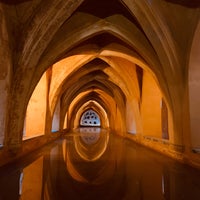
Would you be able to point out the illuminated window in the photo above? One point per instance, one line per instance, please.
(90, 118)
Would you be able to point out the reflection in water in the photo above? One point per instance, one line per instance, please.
(90, 144)
(94, 164)
(31, 181)
(89, 135)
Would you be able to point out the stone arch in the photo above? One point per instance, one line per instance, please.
(36, 111)
(115, 121)
(90, 118)
(170, 57)
(35, 40)
(116, 25)
(69, 99)
(83, 102)
(111, 50)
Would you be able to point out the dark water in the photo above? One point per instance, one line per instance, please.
(94, 165)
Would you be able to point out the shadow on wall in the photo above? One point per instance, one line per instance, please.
(13, 1)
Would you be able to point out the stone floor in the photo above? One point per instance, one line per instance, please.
(94, 164)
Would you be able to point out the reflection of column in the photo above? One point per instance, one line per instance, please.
(10, 186)
(32, 181)
(20, 183)
(50, 173)
(183, 183)
(166, 185)
(144, 174)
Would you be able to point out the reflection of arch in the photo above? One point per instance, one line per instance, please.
(102, 170)
(93, 149)
(90, 136)
(90, 118)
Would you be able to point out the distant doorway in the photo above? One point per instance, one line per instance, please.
(90, 118)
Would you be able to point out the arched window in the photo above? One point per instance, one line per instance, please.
(90, 118)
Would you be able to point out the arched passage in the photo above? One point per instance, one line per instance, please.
(36, 111)
(139, 37)
(101, 103)
(90, 118)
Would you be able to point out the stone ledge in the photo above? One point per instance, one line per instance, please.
(29, 145)
(160, 145)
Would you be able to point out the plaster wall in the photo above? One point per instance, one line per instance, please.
(194, 88)
(151, 107)
(56, 118)
(119, 126)
(130, 118)
(3, 106)
(5, 66)
(146, 181)
(36, 110)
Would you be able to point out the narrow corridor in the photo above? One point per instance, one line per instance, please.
(92, 163)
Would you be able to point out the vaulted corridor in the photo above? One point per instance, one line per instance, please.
(130, 67)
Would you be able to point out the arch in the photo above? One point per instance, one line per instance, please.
(116, 25)
(69, 98)
(36, 111)
(117, 52)
(32, 78)
(99, 103)
(34, 41)
(152, 23)
(90, 118)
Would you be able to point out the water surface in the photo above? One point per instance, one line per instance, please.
(92, 164)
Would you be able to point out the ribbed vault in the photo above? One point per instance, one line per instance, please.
(122, 58)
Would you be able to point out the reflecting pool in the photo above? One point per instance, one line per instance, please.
(93, 164)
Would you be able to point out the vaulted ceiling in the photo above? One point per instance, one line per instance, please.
(98, 49)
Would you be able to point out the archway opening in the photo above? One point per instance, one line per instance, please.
(90, 118)
(36, 111)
